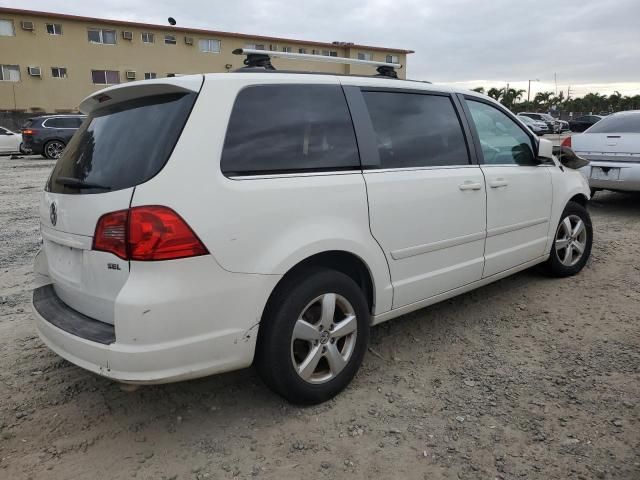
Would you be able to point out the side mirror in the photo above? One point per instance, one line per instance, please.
(545, 151)
(569, 159)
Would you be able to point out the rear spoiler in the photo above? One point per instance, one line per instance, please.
(142, 88)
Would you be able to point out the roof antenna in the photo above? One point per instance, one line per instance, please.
(172, 21)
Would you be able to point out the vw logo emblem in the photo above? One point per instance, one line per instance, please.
(53, 214)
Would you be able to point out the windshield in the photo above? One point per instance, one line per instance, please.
(122, 145)
(548, 117)
(623, 123)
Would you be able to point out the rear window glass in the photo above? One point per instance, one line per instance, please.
(289, 128)
(627, 123)
(121, 146)
(416, 130)
(28, 123)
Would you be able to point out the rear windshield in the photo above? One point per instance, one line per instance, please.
(28, 123)
(121, 146)
(629, 123)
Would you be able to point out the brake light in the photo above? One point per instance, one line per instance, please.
(147, 233)
(111, 234)
(566, 142)
(28, 131)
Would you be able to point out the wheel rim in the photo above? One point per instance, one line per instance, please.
(571, 240)
(324, 338)
(54, 149)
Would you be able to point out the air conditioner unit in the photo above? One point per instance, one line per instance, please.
(188, 40)
(130, 74)
(27, 25)
(34, 71)
(127, 35)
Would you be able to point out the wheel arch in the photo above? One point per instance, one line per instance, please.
(580, 198)
(342, 261)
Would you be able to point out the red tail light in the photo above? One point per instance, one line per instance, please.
(146, 234)
(28, 131)
(111, 234)
(566, 142)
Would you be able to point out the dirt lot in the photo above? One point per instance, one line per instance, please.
(526, 378)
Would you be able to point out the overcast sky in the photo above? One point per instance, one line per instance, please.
(592, 45)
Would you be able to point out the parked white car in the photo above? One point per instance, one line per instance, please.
(200, 224)
(10, 142)
(613, 148)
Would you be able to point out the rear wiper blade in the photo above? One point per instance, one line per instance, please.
(77, 183)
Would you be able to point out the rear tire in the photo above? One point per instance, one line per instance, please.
(53, 149)
(310, 346)
(572, 242)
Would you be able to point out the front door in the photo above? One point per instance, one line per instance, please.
(426, 199)
(519, 191)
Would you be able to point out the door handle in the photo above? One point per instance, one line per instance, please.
(497, 183)
(468, 185)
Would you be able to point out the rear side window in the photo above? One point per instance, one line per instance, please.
(62, 122)
(122, 146)
(289, 128)
(416, 130)
(625, 123)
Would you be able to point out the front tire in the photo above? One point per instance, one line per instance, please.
(313, 336)
(572, 242)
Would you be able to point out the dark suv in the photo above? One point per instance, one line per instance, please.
(48, 135)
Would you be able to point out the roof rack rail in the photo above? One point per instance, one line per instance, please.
(262, 59)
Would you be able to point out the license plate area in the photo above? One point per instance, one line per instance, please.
(605, 173)
(65, 262)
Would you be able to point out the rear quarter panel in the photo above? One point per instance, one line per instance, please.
(265, 224)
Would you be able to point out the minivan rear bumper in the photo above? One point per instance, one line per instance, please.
(215, 332)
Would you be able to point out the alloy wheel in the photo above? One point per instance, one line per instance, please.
(571, 240)
(324, 338)
(54, 149)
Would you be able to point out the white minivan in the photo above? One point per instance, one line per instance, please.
(200, 224)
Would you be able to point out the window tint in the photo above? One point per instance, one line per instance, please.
(53, 123)
(415, 130)
(123, 145)
(287, 128)
(623, 123)
(503, 142)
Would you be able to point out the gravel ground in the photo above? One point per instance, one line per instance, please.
(529, 377)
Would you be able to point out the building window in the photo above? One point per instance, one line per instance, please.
(333, 53)
(325, 53)
(286, 49)
(392, 59)
(54, 29)
(147, 37)
(59, 72)
(105, 77)
(6, 28)
(365, 56)
(315, 52)
(302, 50)
(253, 46)
(100, 35)
(10, 73)
(209, 45)
(149, 75)
(170, 39)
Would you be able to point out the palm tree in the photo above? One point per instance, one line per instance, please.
(495, 93)
(478, 89)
